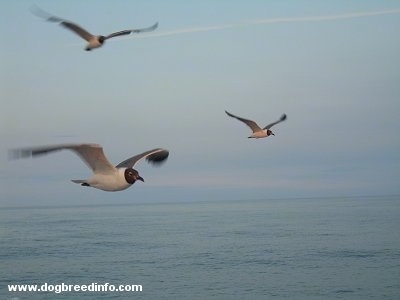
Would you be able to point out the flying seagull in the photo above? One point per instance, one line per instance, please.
(94, 41)
(105, 177)
(258, 132)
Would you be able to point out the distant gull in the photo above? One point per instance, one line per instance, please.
(258, 132)
(93, 40)
(105, 177)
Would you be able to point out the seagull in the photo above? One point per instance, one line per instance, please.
(94, 41)
(258, 132)
(105, 177)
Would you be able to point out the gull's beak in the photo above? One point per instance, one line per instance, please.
(140, 178)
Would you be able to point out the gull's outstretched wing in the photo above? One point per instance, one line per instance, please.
(129, 31)
(91, 154)
(283, 118)
(78, 30)
(155, 156)
(253, 125)
(67, 24)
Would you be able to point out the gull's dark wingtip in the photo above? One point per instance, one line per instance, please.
(158, 157)
(284, 117)
(153, 27)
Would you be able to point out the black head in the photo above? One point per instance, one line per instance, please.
(131, 175)
(101, 39)
(269, 132)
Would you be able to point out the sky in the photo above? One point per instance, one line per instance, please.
(332, 66)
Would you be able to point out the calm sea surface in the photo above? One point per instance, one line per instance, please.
(346, 248)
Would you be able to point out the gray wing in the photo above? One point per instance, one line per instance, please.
(129, 31)
(67, 24)
(78, 30)
(91, 154)
(283, 118)
(155, 156)
(253, 125)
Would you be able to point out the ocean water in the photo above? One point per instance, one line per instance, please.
(336, 248)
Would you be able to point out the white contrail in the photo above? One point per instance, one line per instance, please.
(326, 18)
(269, 21)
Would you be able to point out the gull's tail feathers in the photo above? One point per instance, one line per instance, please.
(81, 182)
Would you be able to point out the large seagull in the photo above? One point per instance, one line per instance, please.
(106, 176)
(94, 41)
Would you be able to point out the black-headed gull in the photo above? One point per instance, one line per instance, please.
(258, 132)
(93, 40)
(105, 177)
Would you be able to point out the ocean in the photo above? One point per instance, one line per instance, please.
(329, 248)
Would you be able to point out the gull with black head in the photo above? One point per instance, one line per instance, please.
(105, 177)
(258, 132)
(94, 41)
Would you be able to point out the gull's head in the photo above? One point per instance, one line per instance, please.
(101, 39)
(131, 176)
(269, 132)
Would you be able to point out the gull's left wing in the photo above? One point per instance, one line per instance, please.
(283, 118)
(155, 156)
(129, 31)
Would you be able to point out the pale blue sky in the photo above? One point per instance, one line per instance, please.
(337, 81)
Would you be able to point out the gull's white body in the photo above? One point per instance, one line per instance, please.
(93, 43)
(259, 134)
(110, 182)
